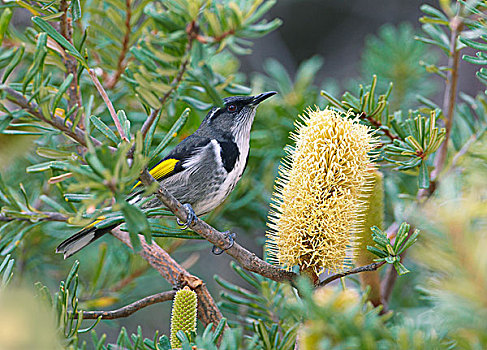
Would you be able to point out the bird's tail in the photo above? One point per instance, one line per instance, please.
(81, 239)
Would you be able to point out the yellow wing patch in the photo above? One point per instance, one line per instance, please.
(161, 169)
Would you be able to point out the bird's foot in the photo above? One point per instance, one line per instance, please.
(230, 236)
(189, 220)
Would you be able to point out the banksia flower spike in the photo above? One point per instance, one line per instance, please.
(317, 200)
(373, 215)
(183, 316)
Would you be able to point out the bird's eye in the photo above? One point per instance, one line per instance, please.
(232, 108)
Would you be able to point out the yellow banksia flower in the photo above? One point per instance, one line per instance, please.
(317, 200)
(183, 317)
(373, 215)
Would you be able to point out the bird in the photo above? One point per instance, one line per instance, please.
(201, 171)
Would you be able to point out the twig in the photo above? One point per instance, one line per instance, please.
(168, 268)
(59, 123)
(66, 30)
(129, 279)
(389, 280)
(456, 25)
(465, 148)
(377, 124)
(191, 31)
(109, 104)
(130, 308)
(174, 85)
(370, 267)
(113, 80)
(39, 216)
(245, 258)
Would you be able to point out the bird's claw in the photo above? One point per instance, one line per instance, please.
(230, 236)
(189, 220)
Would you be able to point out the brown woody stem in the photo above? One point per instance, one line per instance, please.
(130, 308)
(66, 29)
(370, 267)
(245, 258)
(449, 99)
(59, 123)
(121, 64)
(109, 104)
(40, 216)
(175, 274)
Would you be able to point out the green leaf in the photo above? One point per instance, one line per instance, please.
(104, 129)
(6, 270)
(473, 44)
(412, 239)
(62, 89)
(61, 40)
(4, 21)
(136, 223)
(400, 268)
(53, 153)
(401, 235)
(150, 134)
(95, 164)
(125, 122)
(423, 176)
(164, 343)
(377, 251)
(475, 60)
(52, 203)
(75, 10)
(219, 330)
(72, 274)
(171, 134)
(13, 63)
(433, 12)
(199, 105)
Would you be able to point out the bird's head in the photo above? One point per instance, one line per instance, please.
(237, 112)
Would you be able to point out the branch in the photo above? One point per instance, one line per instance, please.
(371, 267)
(192, 32)
(59, 123)
(109, 104)
(456, 25)
(377, 124)
(40, 216)
(130, 308)
(465, 148)
(175, 274)
(245, 258)
(174, 85)
(129, 279)
(66, 30)
(112, 81)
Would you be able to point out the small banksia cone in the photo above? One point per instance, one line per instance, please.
(183, 316)
(317, 200)
(373, 215)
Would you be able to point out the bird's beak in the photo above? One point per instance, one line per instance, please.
(261, 97)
